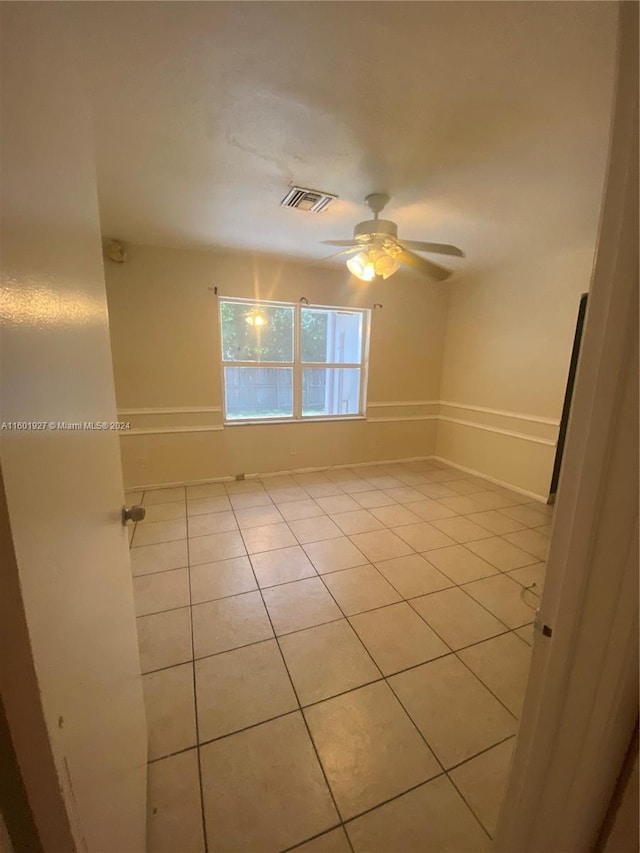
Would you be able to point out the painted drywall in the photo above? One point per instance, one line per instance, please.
(166, 351)
(507, 348)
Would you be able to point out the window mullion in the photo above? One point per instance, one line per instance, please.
(297, 363)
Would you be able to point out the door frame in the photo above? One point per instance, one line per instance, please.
(581, 702)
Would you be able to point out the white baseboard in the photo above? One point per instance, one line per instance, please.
(153, 486)
(289, 471)
(533, 495)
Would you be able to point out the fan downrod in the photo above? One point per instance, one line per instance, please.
(377, 202)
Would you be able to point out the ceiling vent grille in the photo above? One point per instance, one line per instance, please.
(312, 201)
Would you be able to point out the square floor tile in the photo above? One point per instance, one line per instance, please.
(281, 566)
(375, 498)
(161, 591)
(457, 715)
(395, 515)
(397, 637)
(493, 500)
(169, 512)
(300, 604)
(290, 493)
(503, 597)
(355, 485)
(526, 633)
(369, 748)
(527, 515)
(327, 660)
(459, 564)
(206, 490)
(158, 558)
(384, 481)
(244, 487)
(205, 506)
(331, 555)
(495, 522)
(436, 491)
(170, 710)
(258, 516)
(323, 490)
(460, 529)
(216, 522)
(467, 487)
(295, 510)
(163, 496)
(503, 555)
(164, 639)
(174, 814)
(483, 780)
(503, 665)
(359, 521)
(530, 541)
(218, 546)
(360, 588)
(381, 545)
(430, 510)
(457, 618)
(271, 801)
(530, 575)
(228, 623)
(338, 503)
(331, 842)
(250, 500)
(423, 536)
(153, 532)
(434, 817)
(314, 529)
(221, 579)
(267, 538)
(463, 504)
(241, 688)
(404, 494)
(413, 575)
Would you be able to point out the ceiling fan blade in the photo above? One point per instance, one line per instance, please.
(436, 248)
(340, 242)
(349, 251)
(422, 265)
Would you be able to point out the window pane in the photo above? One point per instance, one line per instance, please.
(331, 336)
(254, 332)
(258, 392)
(330, 391)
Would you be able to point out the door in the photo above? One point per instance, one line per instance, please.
(62, 478)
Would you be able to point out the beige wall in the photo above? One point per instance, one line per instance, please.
(165, 340)
(493, 348)
(507, 350)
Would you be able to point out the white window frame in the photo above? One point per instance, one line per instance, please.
(297, 364)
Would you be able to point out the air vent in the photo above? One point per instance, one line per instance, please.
(312, 201)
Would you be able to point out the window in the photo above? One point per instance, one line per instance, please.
(284, 360)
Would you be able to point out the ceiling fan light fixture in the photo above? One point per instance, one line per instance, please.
(374, 262)
(362, 267)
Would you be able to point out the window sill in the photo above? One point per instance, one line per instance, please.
(329, 418)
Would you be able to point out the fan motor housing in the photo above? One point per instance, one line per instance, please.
(376, 228)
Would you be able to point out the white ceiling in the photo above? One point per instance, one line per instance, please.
(487, 123)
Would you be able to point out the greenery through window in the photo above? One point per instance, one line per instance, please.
(283, 360)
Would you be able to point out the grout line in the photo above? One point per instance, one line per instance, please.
(195, 695)
(295, 693)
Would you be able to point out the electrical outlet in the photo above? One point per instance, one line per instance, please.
(293, 451)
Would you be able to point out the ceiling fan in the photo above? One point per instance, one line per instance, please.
(377, 251)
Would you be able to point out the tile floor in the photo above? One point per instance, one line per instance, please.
(334, 661)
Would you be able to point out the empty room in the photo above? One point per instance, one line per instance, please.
(305, 300)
